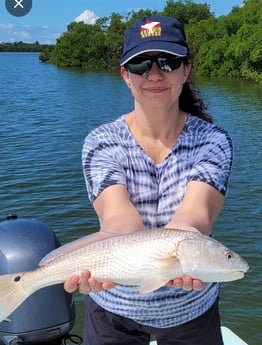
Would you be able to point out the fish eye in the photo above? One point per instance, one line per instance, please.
(229, 255)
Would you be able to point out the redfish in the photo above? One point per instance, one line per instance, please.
(146, 259)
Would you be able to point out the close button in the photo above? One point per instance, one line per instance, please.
(18, 8)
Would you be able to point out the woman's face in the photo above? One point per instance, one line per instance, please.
(157, 88)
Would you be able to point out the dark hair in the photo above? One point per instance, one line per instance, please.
(190, 100)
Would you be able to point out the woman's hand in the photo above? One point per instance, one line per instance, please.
(86, 284)
(187, 283)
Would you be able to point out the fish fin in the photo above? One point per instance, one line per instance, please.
(169, 268)
(152, 283)
(12, 294)
(74, 245)
(167, 263)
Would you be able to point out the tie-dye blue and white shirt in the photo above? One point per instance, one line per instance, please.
(111, 155)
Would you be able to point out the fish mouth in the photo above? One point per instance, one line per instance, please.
(241, 270)
(226, 275)
(235, 274)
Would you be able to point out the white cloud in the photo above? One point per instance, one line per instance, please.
(43, 34)
(22, 35)
(8, 26)
(28, 33)
(88, 17)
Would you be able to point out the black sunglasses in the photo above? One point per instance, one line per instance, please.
(142, 64)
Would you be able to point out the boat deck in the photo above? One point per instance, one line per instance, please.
(229, 338)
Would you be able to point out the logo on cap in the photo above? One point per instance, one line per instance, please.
(151, 28)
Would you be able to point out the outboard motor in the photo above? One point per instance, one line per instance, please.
(48, 315)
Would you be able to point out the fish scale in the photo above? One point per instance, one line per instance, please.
(120, 260)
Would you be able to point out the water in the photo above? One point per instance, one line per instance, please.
(45, 114)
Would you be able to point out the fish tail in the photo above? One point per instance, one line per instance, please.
(12, 293)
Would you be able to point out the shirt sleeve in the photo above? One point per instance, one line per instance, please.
(101, 162)
(213, 160)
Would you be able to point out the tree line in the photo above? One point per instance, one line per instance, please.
(228, 46)
(22, 47)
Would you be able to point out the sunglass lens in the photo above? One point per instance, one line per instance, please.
(169, 63)
(139, 65)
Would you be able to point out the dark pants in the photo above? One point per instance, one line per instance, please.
(105, 328)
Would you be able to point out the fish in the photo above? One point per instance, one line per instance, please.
(145, 259)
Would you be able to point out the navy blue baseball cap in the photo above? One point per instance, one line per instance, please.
(154, 33)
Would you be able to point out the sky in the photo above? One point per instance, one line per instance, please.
(48, 19)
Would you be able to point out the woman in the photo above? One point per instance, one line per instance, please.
(162, 164)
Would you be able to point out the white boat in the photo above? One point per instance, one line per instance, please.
(229, 338)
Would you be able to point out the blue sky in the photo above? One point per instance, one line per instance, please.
(49, 18)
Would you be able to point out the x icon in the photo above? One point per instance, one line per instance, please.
(18, 8)
(19, 3)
